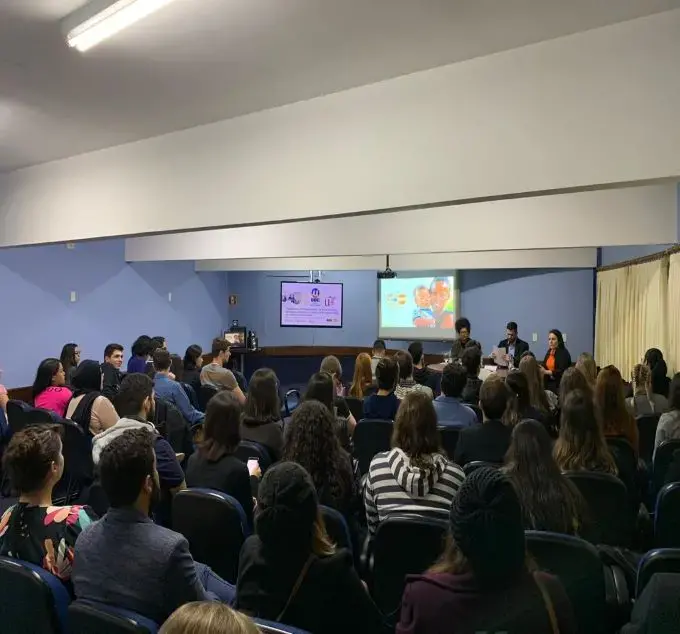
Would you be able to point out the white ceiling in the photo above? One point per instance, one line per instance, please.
(198, 61)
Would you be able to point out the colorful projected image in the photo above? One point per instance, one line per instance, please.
(419, 302)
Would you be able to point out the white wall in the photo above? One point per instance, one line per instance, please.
(592, 108)
(633, 215)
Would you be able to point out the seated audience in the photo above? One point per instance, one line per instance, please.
(521, 408)
(471, 360)
(421, 373)
(378, 353)
(463, 342)
(331, 365)
(549, 501)
(136, 407)
(193, 361)
(70, 358)
(140, 354)
(362, 382)
(215, 466)
(176, 368)
(655, 362)
(93, 412)
(617, 422)
(669, 423)
(49, 391)
(208, 617)
(557, 359)
(540, 398)
(450, 409)
(415, 476)
(581, 445)
(113, 362)
(215, 374)
(644, 402)
(490, 441)
(514, 346)
(33, 529)
(312, 443)
(483, 583)
(160, 342)
(406, 382)
(383, 405)
(170, 390)
(586, 364)
(262, 416)
(574, 379)
(321, 388)
(289, 570)
(125, 559)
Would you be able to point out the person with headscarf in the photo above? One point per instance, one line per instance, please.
(482, 582)
(92, 411)
(290, 572)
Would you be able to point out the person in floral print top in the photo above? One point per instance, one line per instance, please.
(34, 530)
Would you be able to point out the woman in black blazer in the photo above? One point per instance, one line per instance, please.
(557, 359)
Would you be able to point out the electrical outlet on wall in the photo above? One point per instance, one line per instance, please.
(74, 296)
(564, 336)
(534, 337)
(169, 297)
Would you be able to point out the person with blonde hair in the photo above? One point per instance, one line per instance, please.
(362, 382)
(586, 364)
(208, 617)
(644, 401)
(540, 398)
(290, 571)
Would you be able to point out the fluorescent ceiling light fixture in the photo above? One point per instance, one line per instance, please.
(101, 19)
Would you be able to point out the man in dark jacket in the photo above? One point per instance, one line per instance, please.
(113, 361)
(514, 347)
(490, 441)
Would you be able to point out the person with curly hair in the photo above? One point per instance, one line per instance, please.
(311, 441)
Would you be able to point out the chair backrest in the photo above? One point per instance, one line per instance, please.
(477, 410)
(356, 406)
(173, 427)
(578, 566)
(205, 394)
(336, 527)
(371, 437)
(659, 560)
(269, 627)
(449, 439)
(469, 467)
(191, 394)
(31, 599)
(647, 433)
(17, 415)
(403, 546)
(36, 416)
(86, 618)
(248, 449)
(667, 517)
(215, 526)
(609, 518)
(662, 459)
(97, 499)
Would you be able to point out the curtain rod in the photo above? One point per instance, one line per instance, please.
(641, 260)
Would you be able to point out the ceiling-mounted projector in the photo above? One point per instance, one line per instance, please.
(388, 273)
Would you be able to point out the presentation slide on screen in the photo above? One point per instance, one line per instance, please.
(305, 304)
(418, 307)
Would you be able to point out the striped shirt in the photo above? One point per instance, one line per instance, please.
(395, 487)
(409, 385)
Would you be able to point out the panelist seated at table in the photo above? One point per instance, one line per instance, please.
(464, 341)
(512, 345)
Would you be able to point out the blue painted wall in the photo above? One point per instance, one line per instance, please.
(612, 255)
(537, 299)
(115, 302)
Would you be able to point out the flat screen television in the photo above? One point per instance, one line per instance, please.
(311, 305)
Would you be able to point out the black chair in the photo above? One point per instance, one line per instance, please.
(477, 411)
(659, 560)
(449, 437)
(469, 467)
(215, 526)
(662, 459)
(17, 415)
(78, 465)
(336, 527)
(97, 499)
(32, 600)
(205, 394)
(402, 546)
(667, 517)
(172, 425)
(647, 433)
(610, 521)
(356, 407)
(191, 394)
(86, 618)
(370, 438)
(578, 566)
(248, 449)
(269, 627)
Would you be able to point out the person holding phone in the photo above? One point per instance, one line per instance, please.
(215, 465)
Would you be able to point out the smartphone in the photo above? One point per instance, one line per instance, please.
(253, 465)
